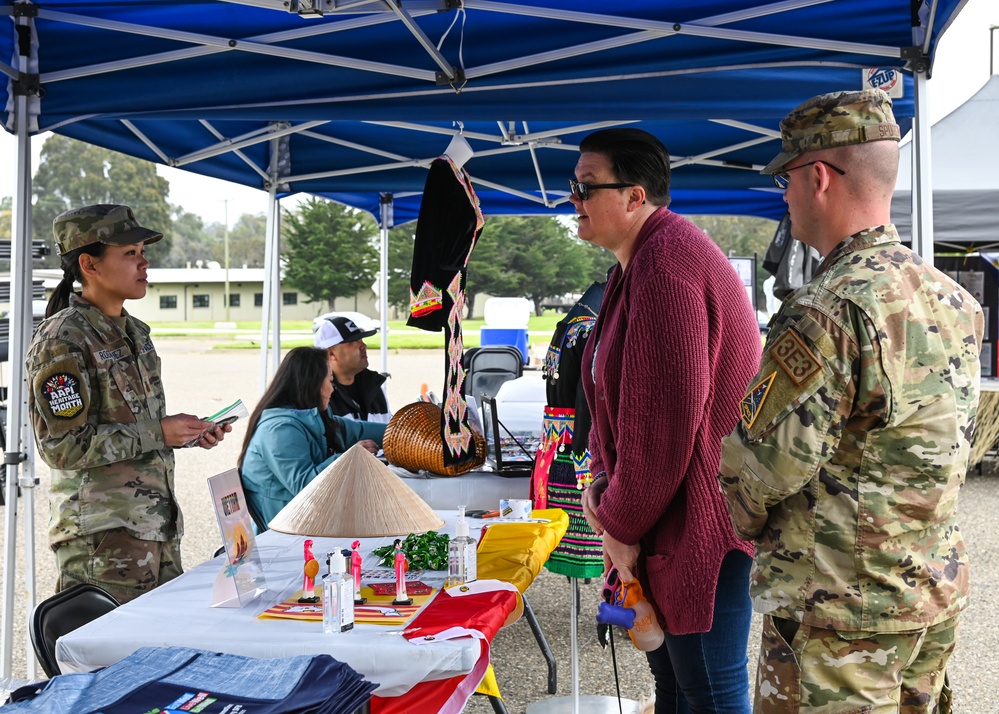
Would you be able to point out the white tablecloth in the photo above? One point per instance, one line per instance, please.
(475, 490)
(179, 614)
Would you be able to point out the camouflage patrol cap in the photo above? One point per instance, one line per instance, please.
(101, 223)
(836, 119)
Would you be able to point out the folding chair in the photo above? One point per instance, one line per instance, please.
(489, 367)
(61, 614)
(255, 516)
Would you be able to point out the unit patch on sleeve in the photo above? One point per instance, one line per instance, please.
(795, 358)
(751, 403)
(62, 392)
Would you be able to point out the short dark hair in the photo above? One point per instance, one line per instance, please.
(636, 157)
(297, 384)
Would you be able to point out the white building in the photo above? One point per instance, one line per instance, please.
(198, 295)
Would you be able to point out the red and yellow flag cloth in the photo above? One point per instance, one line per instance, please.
(482, 608)
(509, 557)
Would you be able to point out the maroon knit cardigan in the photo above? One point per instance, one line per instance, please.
(675, 346)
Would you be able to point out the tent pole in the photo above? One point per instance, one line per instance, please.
(19, 455)
(269, 260)
(922, 186)
(265, 312)
(274, 236)
(385, 224)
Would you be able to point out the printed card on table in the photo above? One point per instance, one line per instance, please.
(241, 579)
(378, 610)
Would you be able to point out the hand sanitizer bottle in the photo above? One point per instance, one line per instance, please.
(338, 596)
(461, 557)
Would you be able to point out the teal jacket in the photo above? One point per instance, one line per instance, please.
(288, 450)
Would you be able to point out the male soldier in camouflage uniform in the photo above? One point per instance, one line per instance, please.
(854, 438)
(98, 410)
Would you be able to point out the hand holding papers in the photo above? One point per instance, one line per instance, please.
(236, 410)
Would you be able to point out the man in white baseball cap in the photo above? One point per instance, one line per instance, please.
(358, 392)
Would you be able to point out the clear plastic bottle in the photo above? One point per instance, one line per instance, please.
(461, 557)
(338, 596)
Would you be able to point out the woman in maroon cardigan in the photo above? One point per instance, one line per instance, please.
(666, 367)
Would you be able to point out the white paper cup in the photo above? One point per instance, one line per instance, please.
(518, 509)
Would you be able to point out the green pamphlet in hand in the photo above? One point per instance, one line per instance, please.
(236, 410)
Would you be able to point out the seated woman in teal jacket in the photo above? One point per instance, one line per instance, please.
(292, 436)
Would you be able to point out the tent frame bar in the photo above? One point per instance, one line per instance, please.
(272, 131)
(648, 30)
(192, 52)
(654, 30)
(230, 44)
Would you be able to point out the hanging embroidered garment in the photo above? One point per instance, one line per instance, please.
(562, 467)
(449, 224)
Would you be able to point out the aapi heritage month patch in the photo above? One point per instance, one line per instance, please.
(62, 392)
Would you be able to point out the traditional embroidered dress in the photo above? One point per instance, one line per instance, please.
(449, 224)
(562, 468)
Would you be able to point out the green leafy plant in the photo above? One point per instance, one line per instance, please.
(425, 551)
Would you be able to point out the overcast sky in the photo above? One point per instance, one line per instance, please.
(962, 67)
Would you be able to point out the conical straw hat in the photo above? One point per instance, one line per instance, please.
(357, 496)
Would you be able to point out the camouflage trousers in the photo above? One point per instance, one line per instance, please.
(810, 669)
(120, 563)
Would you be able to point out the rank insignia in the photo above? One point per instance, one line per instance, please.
(751, 403)
(795, 358)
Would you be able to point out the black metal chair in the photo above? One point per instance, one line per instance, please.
(489, 367)
(258, 520)
(61, 614)
(255, 516)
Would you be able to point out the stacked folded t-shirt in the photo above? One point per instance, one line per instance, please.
(183, 680)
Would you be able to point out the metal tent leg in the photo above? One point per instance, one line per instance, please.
(546, 649)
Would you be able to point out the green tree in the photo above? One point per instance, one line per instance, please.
(535, 257)
(247, 241)
(401, 240)
(6, 208)
(741, 236)
(488, 270)
(189, 242)
(330, 250)
(72, 174)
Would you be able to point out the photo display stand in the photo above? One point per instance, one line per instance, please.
(241, 579)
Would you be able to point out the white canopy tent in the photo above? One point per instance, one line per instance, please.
(965, 161)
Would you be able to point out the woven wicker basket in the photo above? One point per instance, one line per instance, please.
(413, 441)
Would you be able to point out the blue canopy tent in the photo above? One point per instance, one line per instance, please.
(231, 89)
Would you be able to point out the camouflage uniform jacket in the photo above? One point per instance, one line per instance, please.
(96, 400)
(854, 441)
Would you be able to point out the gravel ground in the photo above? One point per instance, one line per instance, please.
(201, 380)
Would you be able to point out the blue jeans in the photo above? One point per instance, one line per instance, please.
(707, 671)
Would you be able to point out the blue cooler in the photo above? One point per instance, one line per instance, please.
(516, 337)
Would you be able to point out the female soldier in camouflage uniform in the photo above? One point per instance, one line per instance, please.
(98, 410)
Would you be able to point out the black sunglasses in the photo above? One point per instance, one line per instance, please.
(781, 178)
(582, 190)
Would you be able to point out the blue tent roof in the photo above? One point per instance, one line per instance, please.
(183, 82)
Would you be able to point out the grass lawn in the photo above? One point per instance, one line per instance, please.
(296, 333)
